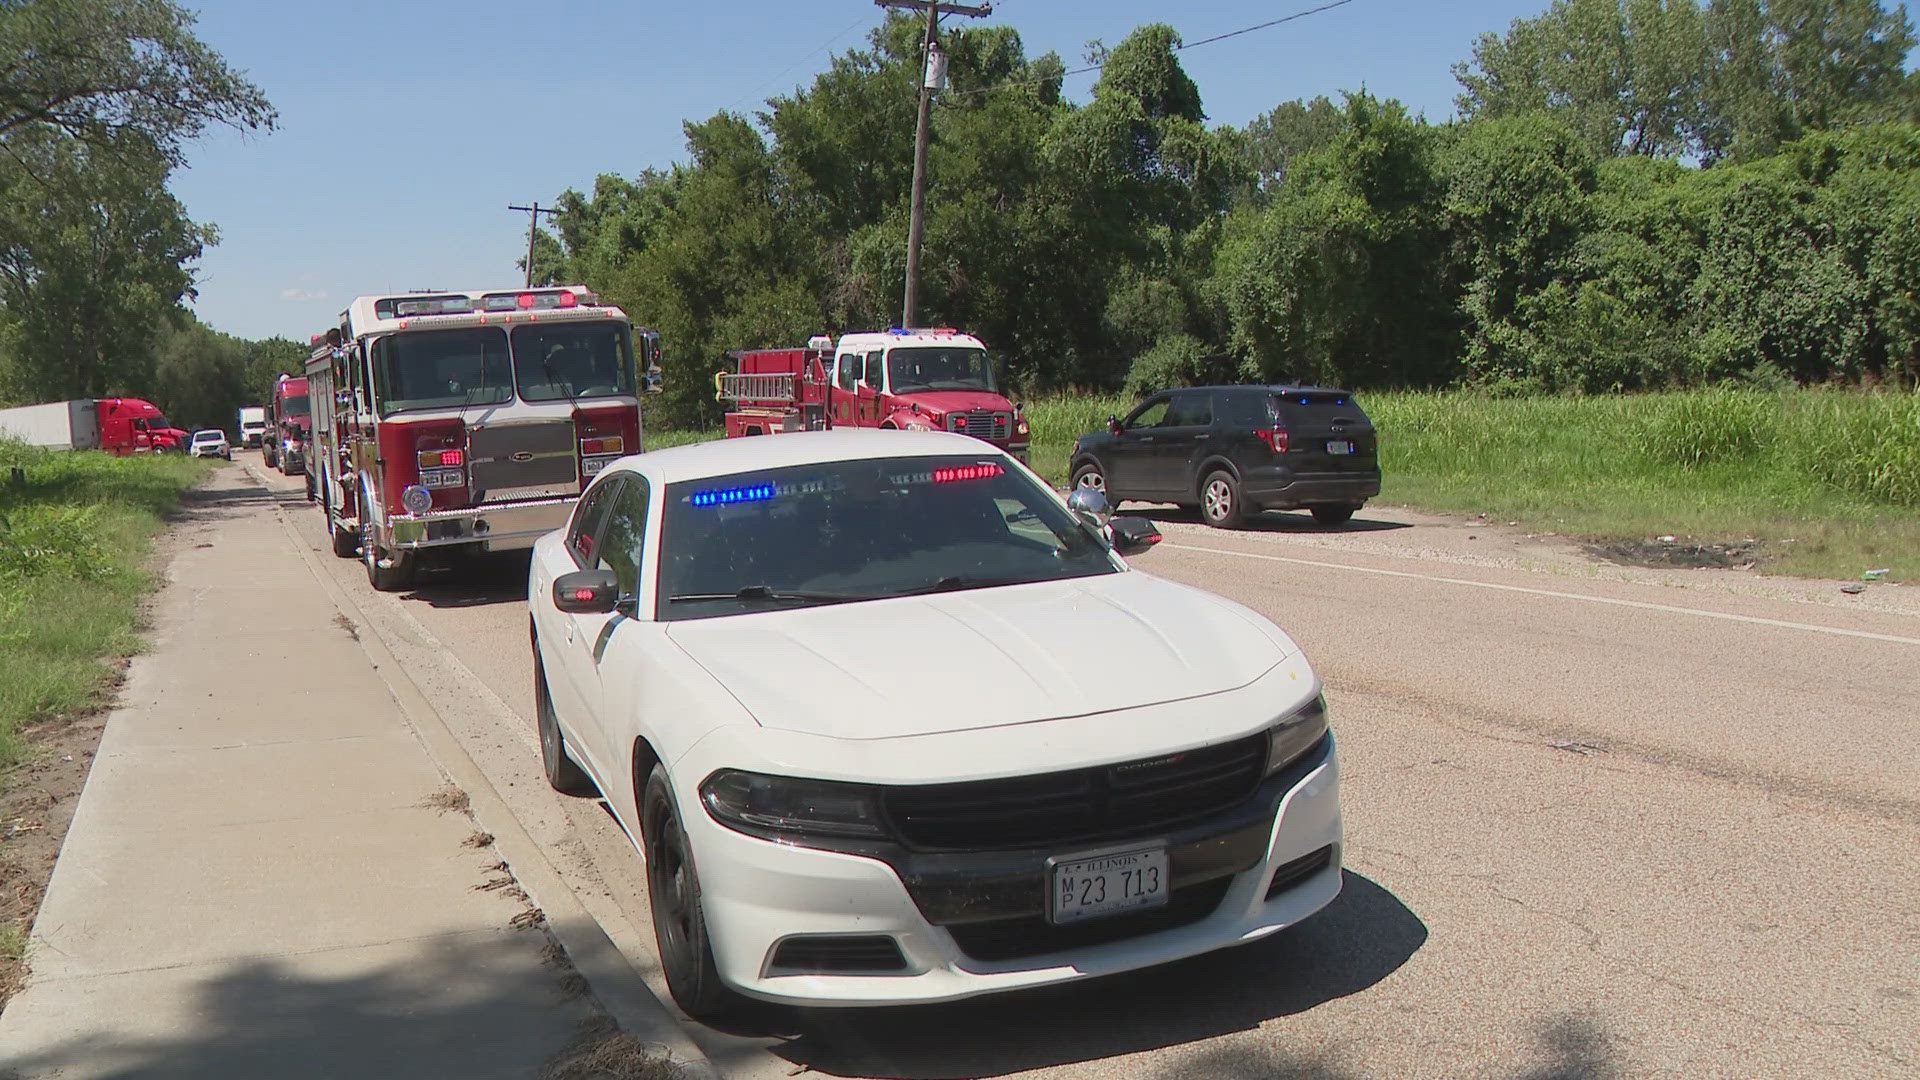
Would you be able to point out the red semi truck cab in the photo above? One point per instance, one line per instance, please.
(905, 379)
(133, 426)
(468, 420)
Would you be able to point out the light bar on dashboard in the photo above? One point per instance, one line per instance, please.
(729, 496)
(983, 471)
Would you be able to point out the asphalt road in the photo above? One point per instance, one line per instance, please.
(1600, 822)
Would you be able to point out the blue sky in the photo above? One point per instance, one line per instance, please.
(407, 128)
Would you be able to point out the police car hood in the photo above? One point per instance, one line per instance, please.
(983, 658)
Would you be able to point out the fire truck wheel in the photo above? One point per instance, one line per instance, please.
(346, 542)
(563, 775)
(673, 895)
(385, 578)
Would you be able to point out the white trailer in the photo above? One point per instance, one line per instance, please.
(57, 425)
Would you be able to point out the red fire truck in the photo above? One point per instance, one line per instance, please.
(283, 446)
(907, 379)
(466, 421)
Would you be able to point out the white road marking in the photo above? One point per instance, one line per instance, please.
(1641, 604)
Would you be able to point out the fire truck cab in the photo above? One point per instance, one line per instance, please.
(905, 379)
(468, 420)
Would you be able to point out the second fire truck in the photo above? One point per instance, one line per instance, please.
(468, 420)
(933, 379)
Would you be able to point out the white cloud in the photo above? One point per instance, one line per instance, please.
(303, 294)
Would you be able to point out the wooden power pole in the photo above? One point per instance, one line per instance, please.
(533, 224)
(930, 80)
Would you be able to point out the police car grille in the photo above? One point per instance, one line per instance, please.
(1082, 804)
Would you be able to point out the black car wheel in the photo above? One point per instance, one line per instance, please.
(673, 895)
(1220, 500)
(1332, 515)
(1090, 476)
(563, 774)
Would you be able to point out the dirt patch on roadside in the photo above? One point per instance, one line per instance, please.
(1680, 554)
(37, 798)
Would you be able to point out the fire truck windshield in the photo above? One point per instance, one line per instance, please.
(846, 531)
(570, 361)
(294, 406)
(913, 368)
(442, 369)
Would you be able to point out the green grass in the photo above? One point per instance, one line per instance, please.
(1829, 481)
(73, 539)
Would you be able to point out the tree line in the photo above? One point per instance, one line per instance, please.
(98, 101)
(1635, 194)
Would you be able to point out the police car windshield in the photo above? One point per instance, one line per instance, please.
(913, 368)
(570, 361)
(848, 531)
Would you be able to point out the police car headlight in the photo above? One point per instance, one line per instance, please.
(416, 499)
(1296, 733)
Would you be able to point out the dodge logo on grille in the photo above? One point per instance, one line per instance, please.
(1140, 766)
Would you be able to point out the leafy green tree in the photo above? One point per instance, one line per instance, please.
(117, 72)
(92, 273)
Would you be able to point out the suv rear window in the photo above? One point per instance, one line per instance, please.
(1317, 406)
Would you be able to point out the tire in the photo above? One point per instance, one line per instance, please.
(564, 775)
(1332, 515)
(385, 578)
(673, 894)
(346, 542)
(1090, 475)
(1220, 500)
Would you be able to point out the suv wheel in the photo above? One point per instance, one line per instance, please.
(1332, 515)
(1220, 500)
(1090, 476)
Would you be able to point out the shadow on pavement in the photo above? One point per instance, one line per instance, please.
(463, 1005)
(1272, 521)
(475, 581)
(1572, 1048)
(1358, 940)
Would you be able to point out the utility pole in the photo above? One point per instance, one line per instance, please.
(533, 224)
(933, 76)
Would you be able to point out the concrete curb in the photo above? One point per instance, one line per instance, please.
(620, 989)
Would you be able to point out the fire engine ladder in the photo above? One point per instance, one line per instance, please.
(777, 386)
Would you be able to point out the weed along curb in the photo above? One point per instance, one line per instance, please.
(613, 982)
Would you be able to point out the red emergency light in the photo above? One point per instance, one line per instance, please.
(967, 472)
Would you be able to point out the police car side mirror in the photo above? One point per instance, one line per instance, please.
(1132, 535)
(586, 592)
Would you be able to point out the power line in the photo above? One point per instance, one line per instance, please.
(827, 44)
(1177, 48)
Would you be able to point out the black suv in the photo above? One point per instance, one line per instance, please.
(1229, 451)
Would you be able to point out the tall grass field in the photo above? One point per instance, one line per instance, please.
(73, 539)
(1828, 481)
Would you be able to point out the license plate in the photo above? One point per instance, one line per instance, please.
(1340, 446)
(591, 466)
(1108, 884)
